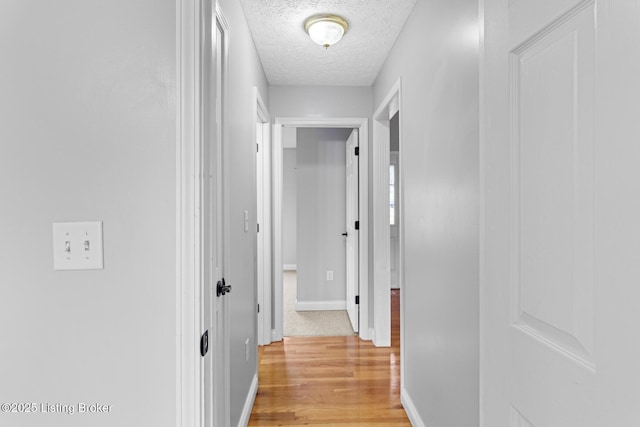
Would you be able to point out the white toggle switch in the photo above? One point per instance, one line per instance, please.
(77, 246)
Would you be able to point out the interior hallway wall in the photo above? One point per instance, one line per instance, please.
(88, 132)
(321, 212)
(437, 57)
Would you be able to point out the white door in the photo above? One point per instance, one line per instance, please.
(263, 260)
(215, 341)
(352, 232)
(561, 239)
(222, 404)
(260, 261)
(394, 244)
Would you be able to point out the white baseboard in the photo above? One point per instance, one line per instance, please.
(290, 267)
(381, 342)
(248, 404)
(410, 409)
(275, 336)
(320, 305)
(366, 334)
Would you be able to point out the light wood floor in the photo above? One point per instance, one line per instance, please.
(331, 381)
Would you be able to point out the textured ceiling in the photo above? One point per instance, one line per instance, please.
(289, 57)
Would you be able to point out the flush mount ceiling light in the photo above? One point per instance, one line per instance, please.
(326, 30)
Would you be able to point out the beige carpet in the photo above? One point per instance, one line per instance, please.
(310, 323)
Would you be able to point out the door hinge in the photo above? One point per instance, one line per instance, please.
(258, 227)
(357, 299)
(357, 225)
(258, 308)
(357, 151)
(257, 148)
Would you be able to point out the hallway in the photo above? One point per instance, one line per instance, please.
(337, 381)
(149, 131)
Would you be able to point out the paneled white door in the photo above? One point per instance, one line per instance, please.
(561, 196)
(214, 349)
(352, 232)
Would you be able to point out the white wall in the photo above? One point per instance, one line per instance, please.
(320, 101)
(89, 133)
(321, 207)
(245, 72)
(289, 204)
(436, 55)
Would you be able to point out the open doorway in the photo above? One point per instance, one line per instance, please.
(281, 128)
(394, 205)
(319, 242)
(394, 231)
(388, 230)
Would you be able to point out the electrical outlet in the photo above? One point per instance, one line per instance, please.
(329, 274)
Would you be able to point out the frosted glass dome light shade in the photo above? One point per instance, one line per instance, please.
(326, 30)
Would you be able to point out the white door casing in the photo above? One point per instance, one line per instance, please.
(380, 246)
(559, 239)
(362, 125)
(352, 236)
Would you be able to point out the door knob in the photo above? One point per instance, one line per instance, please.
(222, 288)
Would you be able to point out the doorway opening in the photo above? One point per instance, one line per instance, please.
(359, 299)
(388, 224)
(394, 234)
(394, 205)
(319, 239)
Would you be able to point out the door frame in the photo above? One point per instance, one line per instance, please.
(264, 283)
(189, 248)
(381, 241)
(362, 124)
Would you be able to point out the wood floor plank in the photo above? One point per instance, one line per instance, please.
(331, 381)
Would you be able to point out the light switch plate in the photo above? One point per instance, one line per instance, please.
(77, 246)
